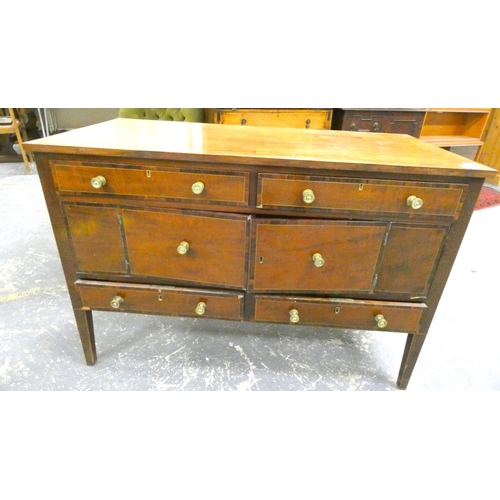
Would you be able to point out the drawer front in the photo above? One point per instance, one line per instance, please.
(363, 122)
(405, 123)
(157, 300)
(192, 247)
(294, 118)
(342, 257)
(287, 255)
(187, 185)
(358, 195)
(337, 313)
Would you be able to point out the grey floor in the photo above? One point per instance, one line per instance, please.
(40, 347)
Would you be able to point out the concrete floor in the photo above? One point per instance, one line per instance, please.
(40, 347)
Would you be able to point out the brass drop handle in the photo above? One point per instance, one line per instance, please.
(318, 260)
(294, 316)
(414, 202)
(198, 187)
(116, 302)
(308, 196)
(200, 308)
(381, 321)
(98, 182)
(183, 248)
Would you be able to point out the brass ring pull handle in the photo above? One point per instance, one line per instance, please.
(308, 196)
(414, 202)
(381, 321)
(198, 187)
(294, 316)
(200, 308)
(116, 302)
(318, 260)
(183, 248)
(98, 182)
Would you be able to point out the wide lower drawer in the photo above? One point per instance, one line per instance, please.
(339, 313)
(320, 194)
(171, 301)
(186, 184)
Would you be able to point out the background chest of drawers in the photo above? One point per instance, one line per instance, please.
(289, 226)
(391, 121)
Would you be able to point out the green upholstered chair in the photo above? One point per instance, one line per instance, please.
(171, 114)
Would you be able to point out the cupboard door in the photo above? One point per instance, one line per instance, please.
(192, 247)
(96, 238)
(410, 257)
(321, 256)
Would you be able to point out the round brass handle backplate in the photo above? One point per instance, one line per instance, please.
(183, 248)
(200, 308)
(198, 187)
(318, 260)
(414, 202)
(381, 321)
(308, 196)
(116, 302)
(294, 316)
(98, 182)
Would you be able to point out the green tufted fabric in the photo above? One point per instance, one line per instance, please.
(171, 114)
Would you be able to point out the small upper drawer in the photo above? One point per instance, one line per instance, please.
(318, 194)
(191, 185)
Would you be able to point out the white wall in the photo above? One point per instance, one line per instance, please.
(68, 118)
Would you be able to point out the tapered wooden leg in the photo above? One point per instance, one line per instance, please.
(413, 346)
(85, 325)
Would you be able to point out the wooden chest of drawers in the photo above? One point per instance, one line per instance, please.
(391, 121)
(351, 230)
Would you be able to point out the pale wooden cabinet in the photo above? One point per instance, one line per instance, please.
(319, 119)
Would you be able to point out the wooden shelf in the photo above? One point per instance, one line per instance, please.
(458, 110)
(451, 127)
(452, 140)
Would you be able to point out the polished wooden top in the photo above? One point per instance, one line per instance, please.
(326, 149)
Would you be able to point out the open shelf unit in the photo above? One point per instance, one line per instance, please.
(456, 127)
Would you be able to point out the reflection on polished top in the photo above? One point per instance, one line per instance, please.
(261, 145)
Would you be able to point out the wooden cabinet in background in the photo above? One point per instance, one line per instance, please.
(319, 119)
(392, 121)
(490, 153)
(459, 130)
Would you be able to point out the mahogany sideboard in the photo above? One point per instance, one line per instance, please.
(326, 228)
